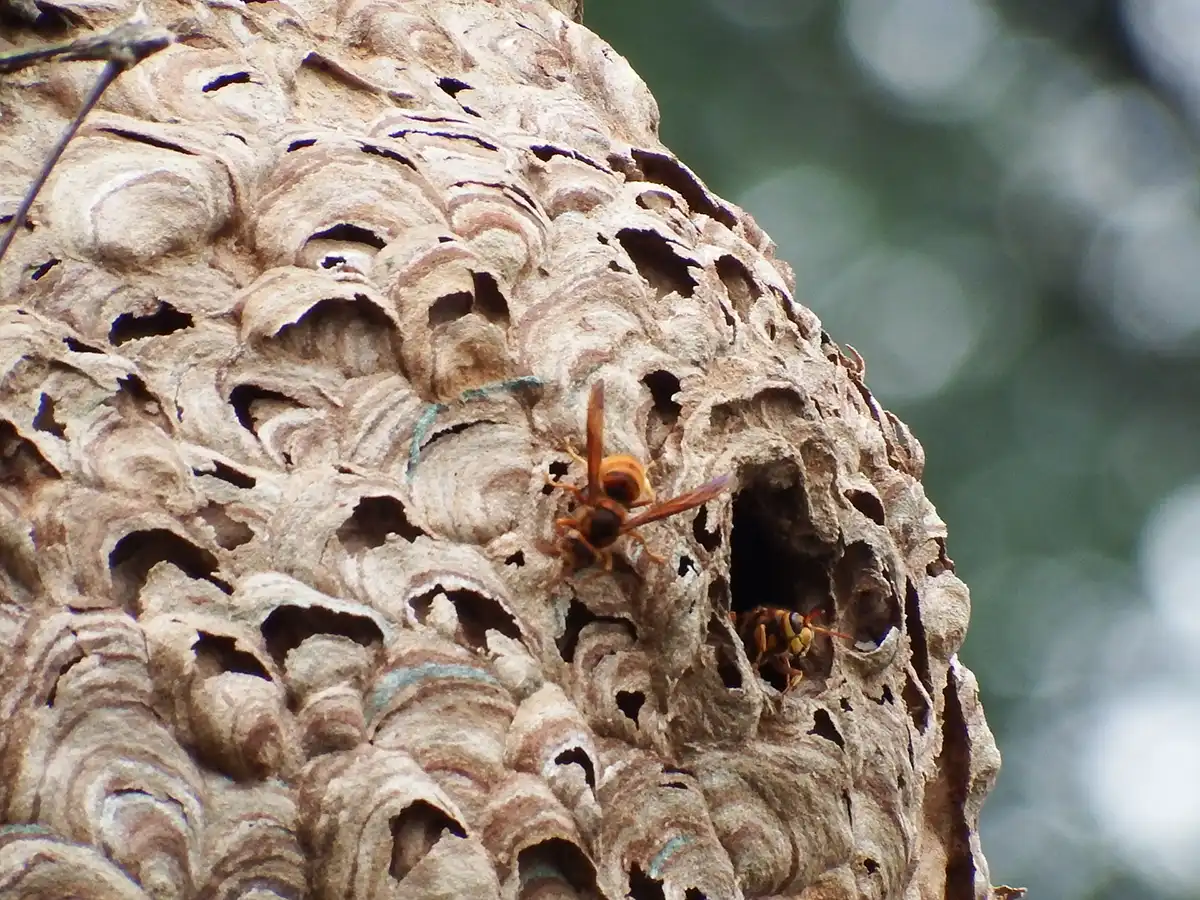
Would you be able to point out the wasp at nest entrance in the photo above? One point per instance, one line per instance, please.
(616, 485)
(780, 579)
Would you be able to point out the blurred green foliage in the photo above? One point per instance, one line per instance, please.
(996, 204)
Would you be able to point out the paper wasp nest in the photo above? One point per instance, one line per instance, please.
(296, 332)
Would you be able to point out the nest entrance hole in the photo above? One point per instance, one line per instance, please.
(778, 561)
(415, 832)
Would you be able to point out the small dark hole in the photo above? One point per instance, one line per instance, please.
(823, 727)
(871, 866)
(543, 868)
(771, 331)
(578, 616)
(352, 234)
(415, 832)
(489, 301)
(450, 307)
(686, 563)
(374, 518)
(943, 563)
(918, 707)
(139, 551)
(577, 756)
(229, 475)
(287, 627)
(301, 144)
(80, 346)
(385, 153)
(656, 261)
(557, 471)
(867, 504)
(245, 397)
(40, 272)
(886, 696)
(146, 139)
(664, 169)
(76, 657)
(165, 320)
(643, 886)
(515, 559)
(845, 705)
(694, 894)
(229, 532)
(45, 421)
(216, 653)
(709, 540)
(630, 703)
(332, 262)
(663, 388)
(477, 614)
(224, 80)
(452, 86)
(739, 285)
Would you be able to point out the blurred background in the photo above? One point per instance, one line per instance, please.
(997, 203)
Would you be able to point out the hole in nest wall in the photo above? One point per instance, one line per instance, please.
(630, 703)
(228, 531)
(139, 551)
(348, 233)
(452, 86)
(217, 653)
(484, 299)
(709, 540)
(776, 558)
(228, 474)
(578, 618)
(415, 832)
(916, 635)
(943, 563)
(77, 346)
(739, 284)
(449, 307)
(44, 419)
(287, 627)
(388, 153)
(664, 412)
(656, 261)
(21, 463)
(254, 405)
(77, 656)
(660, 168)
(489, 301)
(865, 591)
(225, 80)
(373, 519)
(823, 727)
(948, 793)
(723, 649)
(549, 865)
(867, 504)
(663, 387)
(40, 272)
(578, 756)
(643, 886)
(477, 614)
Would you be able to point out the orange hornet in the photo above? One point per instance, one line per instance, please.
(781, 637)
(615, 485)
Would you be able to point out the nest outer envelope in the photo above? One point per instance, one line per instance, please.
(296, 329)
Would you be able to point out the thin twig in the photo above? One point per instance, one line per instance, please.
(121, 48)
